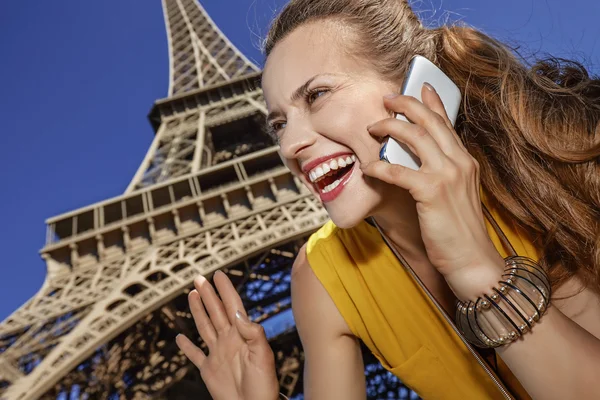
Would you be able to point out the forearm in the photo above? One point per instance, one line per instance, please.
(558, 359)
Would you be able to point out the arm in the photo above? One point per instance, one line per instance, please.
(333, 367)
(558, 359)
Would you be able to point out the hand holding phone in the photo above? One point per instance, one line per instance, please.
(421, 70)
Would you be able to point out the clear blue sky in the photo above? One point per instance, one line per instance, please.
(78, 78)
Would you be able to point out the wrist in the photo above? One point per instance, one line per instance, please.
(471, 283)
(516, 304)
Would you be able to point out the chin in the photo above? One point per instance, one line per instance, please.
(346, 219)
(352, 210)
(352, 204)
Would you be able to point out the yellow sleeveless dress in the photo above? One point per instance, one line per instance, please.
(386, 309)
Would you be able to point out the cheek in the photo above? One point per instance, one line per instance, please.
(346, 121)
(340, 118)
(292, 165)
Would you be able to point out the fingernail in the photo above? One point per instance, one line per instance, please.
(239, 315)
(391, 95)
(370, 125)
(428, 86)
(176, 337)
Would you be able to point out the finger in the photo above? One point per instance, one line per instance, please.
(420, 114)
(417, 138)
(433, 100)
(253, 334)
(231, 298)
(213, 305)
(394, 174)
(203, 324)
(191, 351)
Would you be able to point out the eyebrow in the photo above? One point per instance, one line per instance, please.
(295, 96)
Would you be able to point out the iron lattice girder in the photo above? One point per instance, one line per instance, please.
(234, 97)
(118, 269)
(187, 125)
(262, 186)
(200, 55)
(83, 266)
(180, 262)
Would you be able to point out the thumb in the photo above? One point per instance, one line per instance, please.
(253, 334)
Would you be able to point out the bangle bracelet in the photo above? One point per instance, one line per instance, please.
(510, 310)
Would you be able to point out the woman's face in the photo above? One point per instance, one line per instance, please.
(322, 129)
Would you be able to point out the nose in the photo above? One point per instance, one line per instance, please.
(296, 139)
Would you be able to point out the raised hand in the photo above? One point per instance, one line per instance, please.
(447, 192)
(240, 364)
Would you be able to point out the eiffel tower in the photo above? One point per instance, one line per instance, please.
(211, 193)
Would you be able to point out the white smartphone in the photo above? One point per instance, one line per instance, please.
(421, 70)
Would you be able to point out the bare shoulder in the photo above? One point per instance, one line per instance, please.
(313, 307)
(334, 367)
(301, 262)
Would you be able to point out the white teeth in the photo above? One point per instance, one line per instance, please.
(327, 167)
(332, 186)
(319, 172)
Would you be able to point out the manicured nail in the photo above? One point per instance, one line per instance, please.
(429, 87)
(391, 95)
(239, 315)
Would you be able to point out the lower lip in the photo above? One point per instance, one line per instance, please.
(333, 194)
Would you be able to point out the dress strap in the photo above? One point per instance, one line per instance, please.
(482, 362)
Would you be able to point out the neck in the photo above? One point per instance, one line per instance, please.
(399, 221)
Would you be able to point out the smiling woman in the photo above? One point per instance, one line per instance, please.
(499, 216)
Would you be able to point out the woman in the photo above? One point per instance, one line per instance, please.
(526, 145)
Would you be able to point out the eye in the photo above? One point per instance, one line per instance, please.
(274, 128)
(313, 94)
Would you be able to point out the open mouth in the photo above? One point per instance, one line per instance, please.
(330, 174)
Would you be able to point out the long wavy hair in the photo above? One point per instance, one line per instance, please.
(533, 128)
